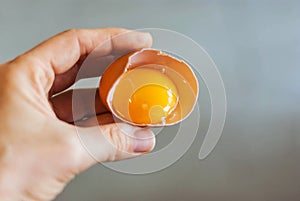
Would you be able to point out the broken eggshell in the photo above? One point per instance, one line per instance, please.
(149, 67)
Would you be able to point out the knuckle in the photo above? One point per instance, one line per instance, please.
(33, 69)
(71, 32)
(118, 138)
(119, 141)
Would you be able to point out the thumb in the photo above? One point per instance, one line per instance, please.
(113, 142)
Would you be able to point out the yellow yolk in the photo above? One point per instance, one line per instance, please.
(145, 95)
(151, 104)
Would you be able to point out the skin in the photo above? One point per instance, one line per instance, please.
(40, 151)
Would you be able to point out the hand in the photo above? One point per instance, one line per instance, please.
(40, 150)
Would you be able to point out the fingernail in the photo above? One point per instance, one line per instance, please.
(144, 140)
(146, 34)
(145, 38)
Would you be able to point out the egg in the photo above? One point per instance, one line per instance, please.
(148, 87)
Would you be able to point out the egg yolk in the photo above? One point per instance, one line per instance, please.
(151, 104)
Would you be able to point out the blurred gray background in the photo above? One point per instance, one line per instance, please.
(255, 44)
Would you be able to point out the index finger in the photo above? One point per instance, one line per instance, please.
(62, 51)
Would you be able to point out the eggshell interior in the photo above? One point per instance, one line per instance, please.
(114, 90)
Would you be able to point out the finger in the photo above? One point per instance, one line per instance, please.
(92, 66)
(61, 52)
(113, 142)
(64, 80)
(101, 119)
(74, 105)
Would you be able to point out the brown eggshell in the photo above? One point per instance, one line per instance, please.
(149, 57)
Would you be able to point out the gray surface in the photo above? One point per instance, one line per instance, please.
(256, 45)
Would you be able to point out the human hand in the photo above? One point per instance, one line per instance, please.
(40, 150)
